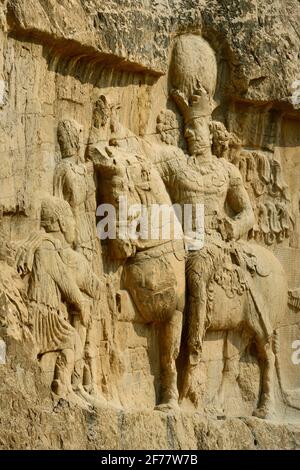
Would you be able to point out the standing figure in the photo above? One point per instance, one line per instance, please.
(61, 289)
(74, 182)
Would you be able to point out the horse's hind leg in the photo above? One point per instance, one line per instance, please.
(169, 344)
(235, 344)
(267, 364)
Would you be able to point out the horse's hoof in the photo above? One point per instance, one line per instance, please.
(96, 400)
(167, 407)
(267, 411)
(100, 402)
(69, 395)
(261, 413)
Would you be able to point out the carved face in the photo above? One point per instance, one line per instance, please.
(68, 139)
(102, 112)
(198, 136)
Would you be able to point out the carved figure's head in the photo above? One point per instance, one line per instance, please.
(197, 119)
(102, 112)
(105, 122)
(193, 76)
(57, 216)
(68, 132)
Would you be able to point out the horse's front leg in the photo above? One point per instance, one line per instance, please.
(169, 344)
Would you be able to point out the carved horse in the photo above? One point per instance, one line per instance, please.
(153, 271)
(260, 310)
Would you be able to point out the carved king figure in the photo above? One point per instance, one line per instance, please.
(230, 282)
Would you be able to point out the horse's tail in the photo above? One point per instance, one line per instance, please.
(290, 397)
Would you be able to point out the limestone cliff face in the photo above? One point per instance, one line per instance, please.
(84, 83)
(258, 39)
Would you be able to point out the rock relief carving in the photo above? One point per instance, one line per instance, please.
(227, 285)
(61, 289)
(227, 271)
(153, 269)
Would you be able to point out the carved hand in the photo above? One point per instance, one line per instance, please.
(231, 229)
(84, 312)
